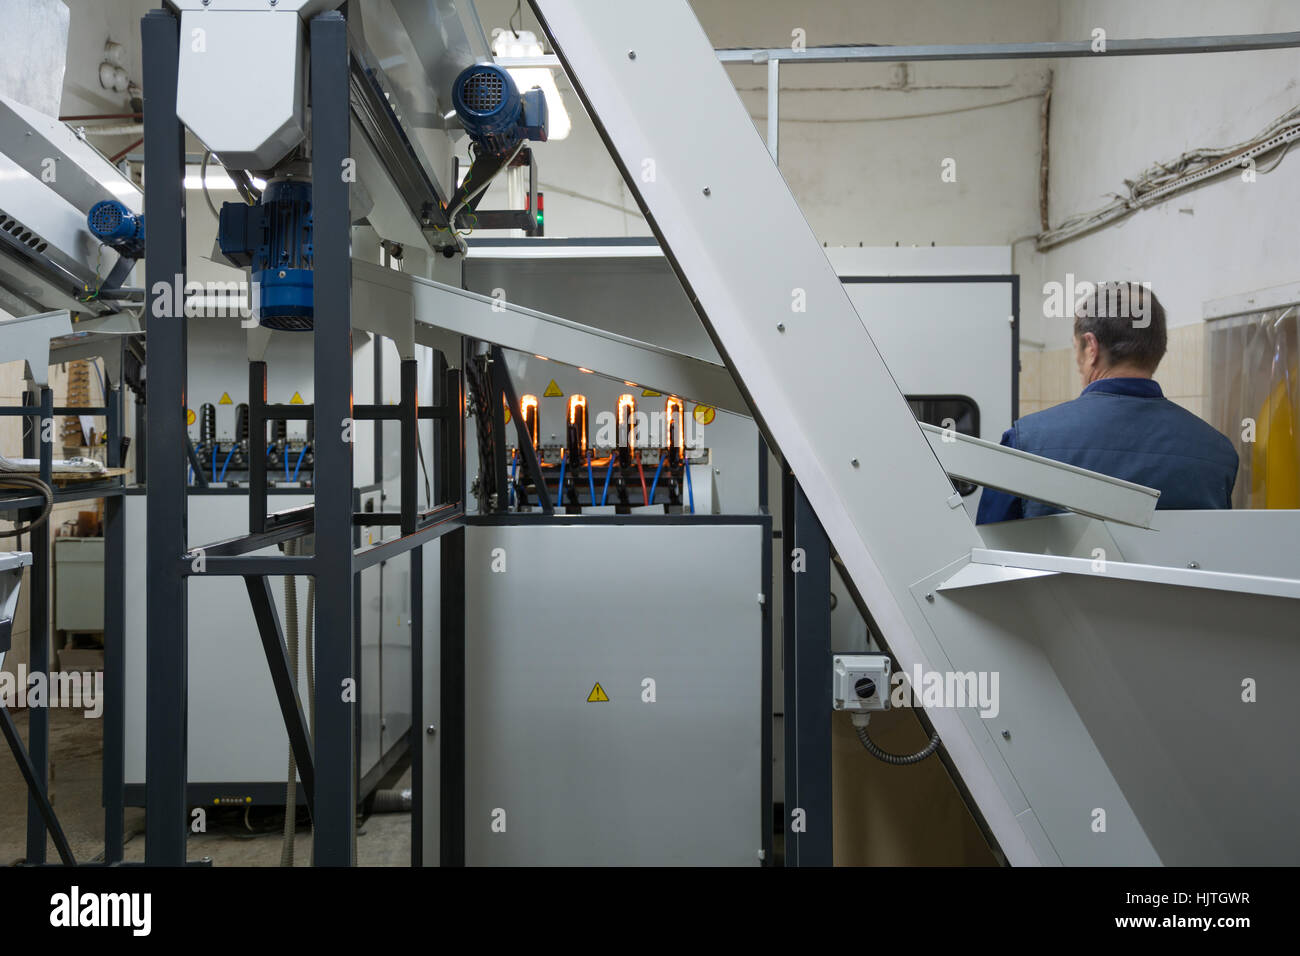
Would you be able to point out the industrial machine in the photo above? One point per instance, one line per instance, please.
(541, 532)
(67, 241)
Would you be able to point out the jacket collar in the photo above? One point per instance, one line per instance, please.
(1138, 387)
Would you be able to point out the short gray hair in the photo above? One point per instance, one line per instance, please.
(1128, 321)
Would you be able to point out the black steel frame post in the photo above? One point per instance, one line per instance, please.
(806, 654)
(140, 445)
(448, 486)
(167, 668)
(451, 626)
(40, 440)
(501, 481)
(451, 601)
(256, 447)
(452, 436)
(442, 417)
(442, 432)
(336, 681)
(377, 398)
(114, 724)
(417, 707)
(409, 444)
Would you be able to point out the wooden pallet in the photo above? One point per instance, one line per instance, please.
(72, 477)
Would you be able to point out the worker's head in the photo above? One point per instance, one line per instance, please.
(1119, 332)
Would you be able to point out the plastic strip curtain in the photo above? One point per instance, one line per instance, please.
(1254, 393)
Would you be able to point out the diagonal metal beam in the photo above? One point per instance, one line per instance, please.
(34, 788)
(783, 324)
(200, 475)
(501, 377)
(388, 301)
(285, 681)
(1042, 479)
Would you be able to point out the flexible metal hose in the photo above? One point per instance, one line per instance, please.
(897, 760)
(391, 801)
(20, 482)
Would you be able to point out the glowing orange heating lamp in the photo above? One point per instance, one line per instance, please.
(578, 421)
(627, 421)
(675, 418)
(532, 419)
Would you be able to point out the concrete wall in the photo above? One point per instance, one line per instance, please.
(862, 146)
(1110, 121)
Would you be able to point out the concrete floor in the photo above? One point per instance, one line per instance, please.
(233, 838)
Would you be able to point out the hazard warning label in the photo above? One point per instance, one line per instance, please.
(597, 694)
(552, 391)
(225, 399)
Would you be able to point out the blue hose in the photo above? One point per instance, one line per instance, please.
(226, 463)
(690, 489)
(605, 494)
(514, 468)
(655, 484)
(297, 466)
(591, 480)
(215, 449)
(559, 491)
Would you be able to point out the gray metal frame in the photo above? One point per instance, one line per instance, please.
(167, 665)
(1043, 50)
(329, 771)
(1046, 50)
(34, 760)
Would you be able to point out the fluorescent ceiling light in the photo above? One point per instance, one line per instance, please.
(217, 179)
(505, 43)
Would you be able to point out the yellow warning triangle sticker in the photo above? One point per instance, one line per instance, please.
(552, 391)
(651, 393)
(225, 399)
(297, 399)
(597, 694)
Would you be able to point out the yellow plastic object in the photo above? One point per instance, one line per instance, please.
(1275, 455)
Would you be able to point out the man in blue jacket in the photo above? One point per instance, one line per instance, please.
(1122, 425)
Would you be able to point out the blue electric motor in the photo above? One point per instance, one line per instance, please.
(492, 110)
(274, 240)
(117, 227)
